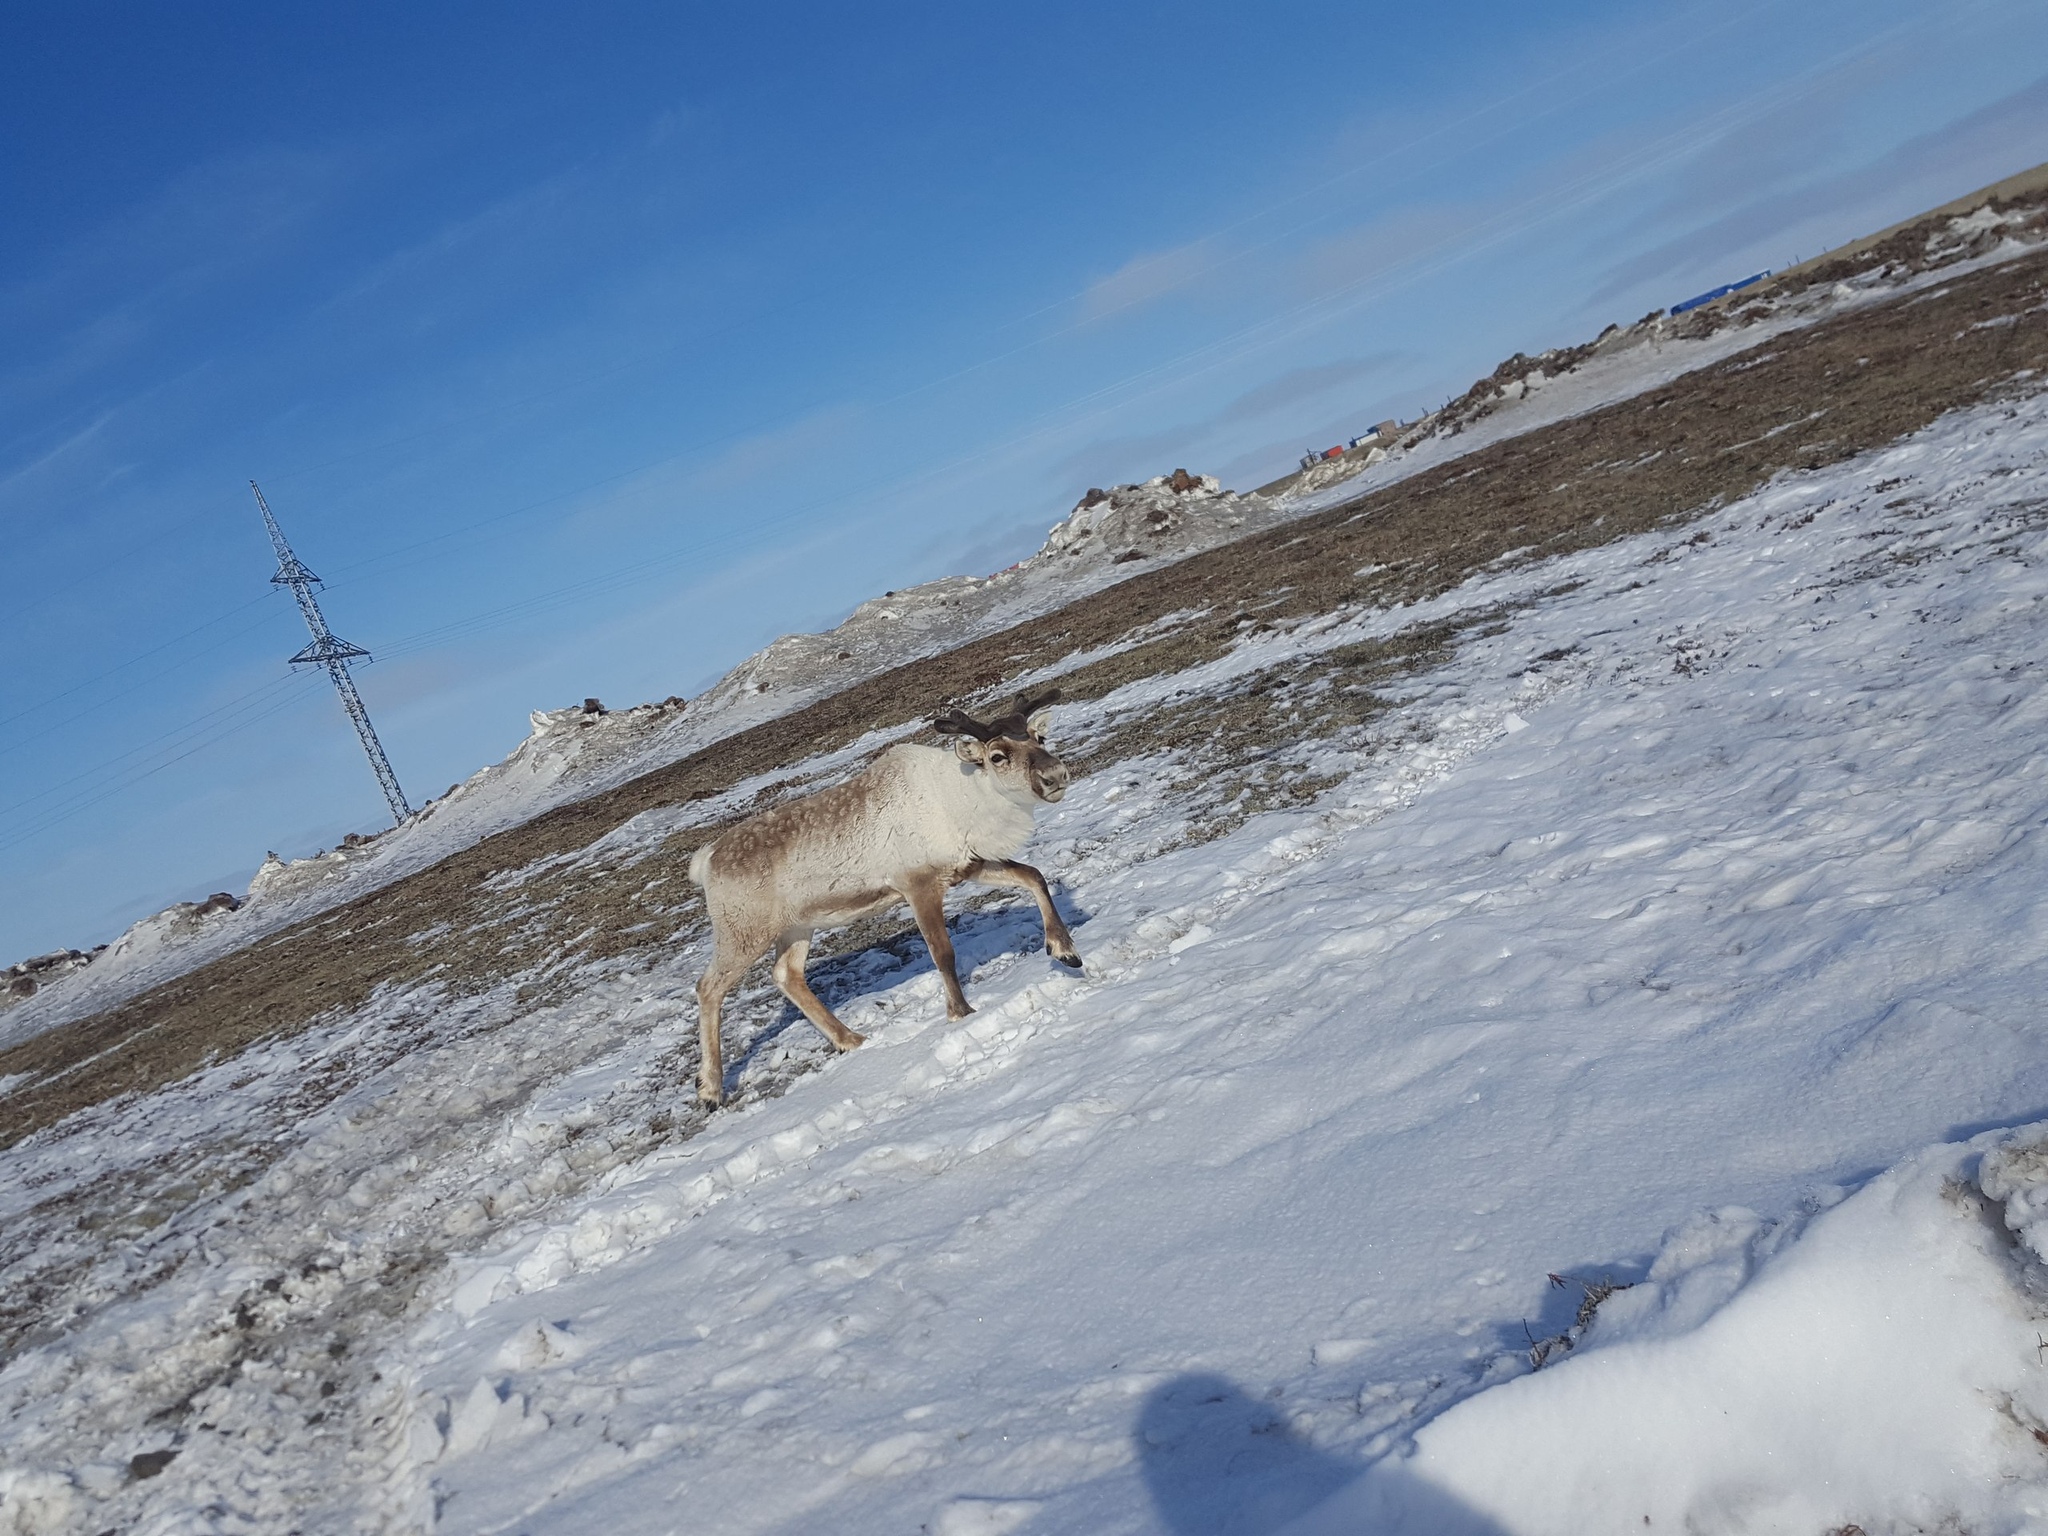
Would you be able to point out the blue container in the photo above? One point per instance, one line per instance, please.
(1714, 293)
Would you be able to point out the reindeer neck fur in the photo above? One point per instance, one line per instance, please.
(968, 814)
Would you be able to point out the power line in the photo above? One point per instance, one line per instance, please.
(15, 741)
(240, 714)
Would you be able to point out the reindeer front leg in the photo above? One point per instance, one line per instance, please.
(1058, 942)
(927, 897)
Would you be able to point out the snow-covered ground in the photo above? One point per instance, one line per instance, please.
(1628, 948)
(1737, 902)
(1881, 1361)
(572, 754)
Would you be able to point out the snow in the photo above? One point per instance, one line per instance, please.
(1632, 946)
(1752, 904)
(572, 754)
(1879, 1369)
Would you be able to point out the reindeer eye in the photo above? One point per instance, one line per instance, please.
(999, 757)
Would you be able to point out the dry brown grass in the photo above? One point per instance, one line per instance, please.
(1870, 376)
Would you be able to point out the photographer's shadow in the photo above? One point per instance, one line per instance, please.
(1220, 1462)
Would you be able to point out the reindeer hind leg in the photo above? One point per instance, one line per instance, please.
(790, 957)
(729, 962)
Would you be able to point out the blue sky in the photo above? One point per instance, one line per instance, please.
(585, 349)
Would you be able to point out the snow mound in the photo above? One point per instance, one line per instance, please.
(1525, 393)
(1328, 472)
(1102, 540)
(175, 925)
(23, 980)
(577, 745)
(1167, 514)
(1879, 1370)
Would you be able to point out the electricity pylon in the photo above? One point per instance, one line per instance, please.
(333, 653)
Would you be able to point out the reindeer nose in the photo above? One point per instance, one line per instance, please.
(1052, 780)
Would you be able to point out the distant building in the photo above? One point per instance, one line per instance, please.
(1377, 437)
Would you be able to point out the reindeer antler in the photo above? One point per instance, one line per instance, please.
(1029, 704)
(1016, 721)
(959, 723)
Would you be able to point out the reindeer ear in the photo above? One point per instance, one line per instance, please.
(967, 749)
(1037, 725)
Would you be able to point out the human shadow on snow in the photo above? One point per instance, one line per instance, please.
(1219, 1462)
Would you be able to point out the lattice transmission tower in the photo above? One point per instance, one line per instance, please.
(333, 653)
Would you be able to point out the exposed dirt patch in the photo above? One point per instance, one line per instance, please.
(1809, 399)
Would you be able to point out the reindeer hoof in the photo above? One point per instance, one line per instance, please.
(711, 1099)
(1072, 962)
(851, 1041)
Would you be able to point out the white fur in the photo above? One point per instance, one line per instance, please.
(918, 809)
(915, 822)
(943, 811)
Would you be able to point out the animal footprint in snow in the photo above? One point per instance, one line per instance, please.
(539, 1345)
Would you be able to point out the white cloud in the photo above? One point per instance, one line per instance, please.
(1143, 279)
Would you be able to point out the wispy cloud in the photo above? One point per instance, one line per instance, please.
(813, 438)
(792, 453)
(25, 476)
(1382, 246)
(507, 224)
(1144, 279)
(2007, 136)
(190, 236)
(1190, 443)
(1299, 385)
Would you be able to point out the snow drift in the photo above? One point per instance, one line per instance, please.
(1879, 1368)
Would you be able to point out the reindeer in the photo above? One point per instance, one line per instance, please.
(914, 823)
